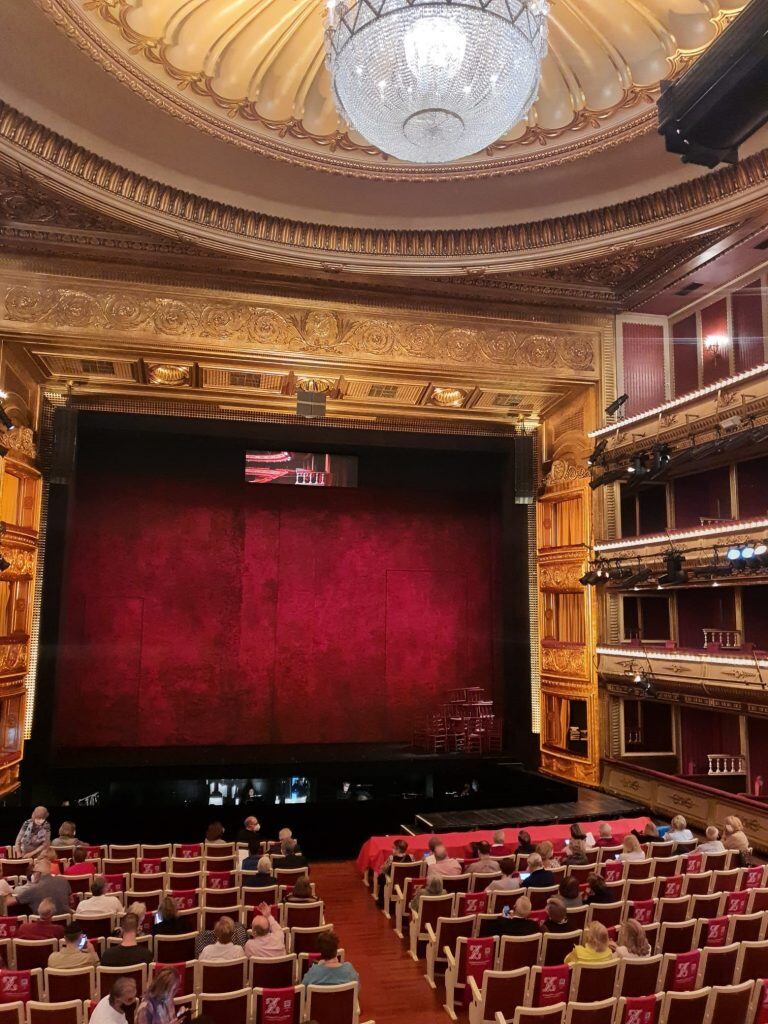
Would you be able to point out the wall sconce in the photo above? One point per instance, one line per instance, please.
(715, 345)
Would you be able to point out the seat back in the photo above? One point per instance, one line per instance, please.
(449, 930)
(639, 868)
(549, 985)
(289, 876)
(705, 906)
(499, 899)
(752, 961)
(172, 949)
(129, 852)
(639, 1009)
(153, 851)
(538, 1014)
(471, 903)
(676, 936)
(118, 866)
(726, 881)
(253, 896)
(481, 880)
(746, 927)
(665, 867)
(303, 915)
(718, 966)
(613, 870)
(539, 897)
(187, 851)
(594, 982)
(457, 883)
(107, 976)
(601, 1012)
(185, 971)
(711, 931)
(555, 946)
(229, 897)
(730, 1003)
(33, 953)
(685, 1007)
(697, 884)
(210, 915)
(97, 927)
(219, 880)
(10, 925)
(673, 909)
(12, 1013)
(717, 861)
(273, 972)
(577, 917)
(21, 985)
(221, 977)
(228, 1007)
(278, 1005)
(609, 914)
(639, 976)
(502, 992)
(332, 1004)
(670, 887)
(753, 877)
(70, 1012)
(518, 951)
(304, 940)
(679, 971)
(64, 985)
(430, 909)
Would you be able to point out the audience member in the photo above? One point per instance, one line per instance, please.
(434, 887)
(679, 831)
(77, 951)
(250, 830)
(524, 844)
(650, 834)
(140, 910)
(283, 834)
(80, 864)
(499, 845)
(208, 937)
(518, 922)
(632, 941)
(576, 853)
(111, 1009)
(539, 876)
(598, 891)
(43, 886)
(292, 857)
(329, 970)
(43, 927)
(570, 893)
(156, 1006)
(130, 951)
(734, 837)
(712, 843)
(52, 857)
(268, 939)
(432, 843)
(484, 864)
(301, 892)
(556, 920)
(605, 836)
(99, 902)
(214, 835)
(224, 948)
(577, 832)
(263, 876)
(67, 838)
(399, 855)
(509, 880)
(630, 848)
(167, 920)
(34, 835)
(595, 947)
(546, 851)
(444, 865)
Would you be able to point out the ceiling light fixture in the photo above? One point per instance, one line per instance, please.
(440, 79)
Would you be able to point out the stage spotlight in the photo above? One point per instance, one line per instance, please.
(619, 573)
(734, 554)
(6, 420)
(597, 451)
(747, 552)
(644, 683)
(607, 478)
(4, 564)
(616, 405)
(641, 576)
(589, 578)
(674, 571)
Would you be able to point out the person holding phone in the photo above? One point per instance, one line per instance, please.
(77, 951)
(156, 1006)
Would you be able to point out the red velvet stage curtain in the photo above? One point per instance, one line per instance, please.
(212, 612)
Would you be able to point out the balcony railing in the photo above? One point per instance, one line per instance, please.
(725, 639)
(726, 764)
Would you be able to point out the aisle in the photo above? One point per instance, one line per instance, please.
(392, 986)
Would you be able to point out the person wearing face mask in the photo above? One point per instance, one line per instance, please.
(111, 1009)
(34, 835)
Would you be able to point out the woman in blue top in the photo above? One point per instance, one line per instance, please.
(329, 970)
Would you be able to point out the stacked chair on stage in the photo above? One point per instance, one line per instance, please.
(705, 919)
(206, 883)
(465, 724)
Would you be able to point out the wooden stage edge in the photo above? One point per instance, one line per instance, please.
(589, 806)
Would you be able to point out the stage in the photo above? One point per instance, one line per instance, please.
(589, 806)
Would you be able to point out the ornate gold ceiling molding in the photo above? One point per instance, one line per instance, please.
(704, 203)
(50, 307)
(216, 68)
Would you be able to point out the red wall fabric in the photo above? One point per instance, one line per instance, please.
(701, 495)
(754, 602)
(747, 314)
(701, 608)
(207, 612)
(685, 356)
(706, 732)
(714, 321)
(753, 496)
(643, 362)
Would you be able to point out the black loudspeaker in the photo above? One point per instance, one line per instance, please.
(525, 475)
(64, 444)
(310, 405)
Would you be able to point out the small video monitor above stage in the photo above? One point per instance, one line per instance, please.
(305, 469)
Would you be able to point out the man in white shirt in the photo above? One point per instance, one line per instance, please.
(268, 939)
(713, 842)
(111, 1009)
(444, 865)
(99, 903)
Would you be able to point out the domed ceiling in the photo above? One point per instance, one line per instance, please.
(252, 72)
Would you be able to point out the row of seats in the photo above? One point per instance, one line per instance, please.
(321, 1004)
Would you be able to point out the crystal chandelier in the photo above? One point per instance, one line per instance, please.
(430, 81)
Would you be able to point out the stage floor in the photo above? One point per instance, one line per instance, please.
(589, 806)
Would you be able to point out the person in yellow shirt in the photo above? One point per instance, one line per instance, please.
(595, 948)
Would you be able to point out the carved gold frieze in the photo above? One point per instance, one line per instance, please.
(100, 310)
(561, 575)
(22, 562)
(565, 661)
(13, 654)
(21, 440)
(169, 375)
(571, 768)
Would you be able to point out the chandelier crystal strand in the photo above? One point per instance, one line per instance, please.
(430, 81)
